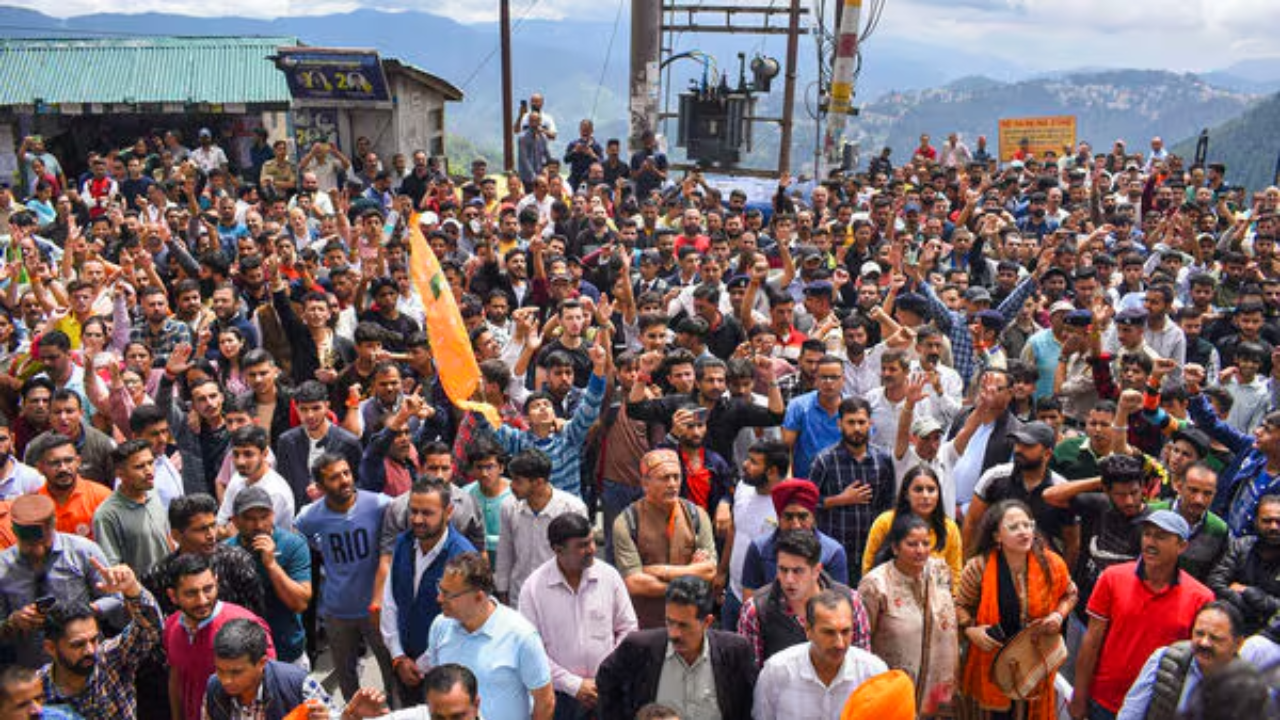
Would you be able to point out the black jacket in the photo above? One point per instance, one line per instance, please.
(1243, 564)
(727, 417)
(293, 448)
(628, 678)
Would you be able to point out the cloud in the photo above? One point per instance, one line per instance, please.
(1184, 35)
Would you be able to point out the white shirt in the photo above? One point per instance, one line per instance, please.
(169, 480)
(753, 517)
(388, 623)
(275, 485)
(788, 687)
(522, 541)
(209, 159)
(22, 480)
(968, 468)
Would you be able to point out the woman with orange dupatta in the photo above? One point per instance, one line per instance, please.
(1012, 583)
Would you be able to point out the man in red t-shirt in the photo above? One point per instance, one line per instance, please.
(691, 232)
(189, 634)
(708, 477)
(1136, 608)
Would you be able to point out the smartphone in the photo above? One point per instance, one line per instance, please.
(700, 415)
(46, 603)
(995, 632)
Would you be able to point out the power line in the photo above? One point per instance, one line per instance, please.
(514, 27)
(608, 53)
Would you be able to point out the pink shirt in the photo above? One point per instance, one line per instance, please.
(579, 629)
(192, 654)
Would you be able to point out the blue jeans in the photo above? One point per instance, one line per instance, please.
(730, 612)
(615, 498)
(568, 708)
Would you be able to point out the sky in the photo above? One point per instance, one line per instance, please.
(1178, 35)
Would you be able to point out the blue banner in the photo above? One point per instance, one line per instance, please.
(348, 75)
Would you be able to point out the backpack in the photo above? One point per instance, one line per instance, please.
(690, 513)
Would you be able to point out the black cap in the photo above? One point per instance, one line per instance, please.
(250, 498)
(1198, 440)
(1034, 433)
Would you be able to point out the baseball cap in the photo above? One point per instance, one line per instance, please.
(819, 287)
(925, 426)
(251, 498)
(1061, 306)
(1079, 318)
(990, 319)
(1034, 433)
(870, 268)
(650, 257)
(561, 277)
(737, 281)
(1196, 438)
(1169, 521)
(205, 132)
(977, 294)
(1132, 316)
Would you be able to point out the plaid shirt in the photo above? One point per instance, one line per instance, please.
(749, 622)
(163, 342)
(956, 324)
(835, 469)
(257, 710)
(109, 692)
(565, 448)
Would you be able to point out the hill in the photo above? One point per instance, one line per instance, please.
(1247, 145)
(582, 67)
(1130, 104)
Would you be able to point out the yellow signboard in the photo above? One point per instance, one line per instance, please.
(1039, 133)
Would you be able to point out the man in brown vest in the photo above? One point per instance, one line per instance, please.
(661, 537)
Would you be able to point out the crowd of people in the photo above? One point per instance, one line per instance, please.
(944, 437)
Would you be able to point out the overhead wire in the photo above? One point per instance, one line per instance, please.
(608, 53)
(514, 27)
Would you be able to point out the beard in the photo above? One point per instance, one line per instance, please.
(1024, 463)
(755, 481)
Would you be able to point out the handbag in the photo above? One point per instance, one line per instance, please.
(1026, 661)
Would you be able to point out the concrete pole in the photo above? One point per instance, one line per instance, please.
(646, 40)
(508, 122)
(789, 89)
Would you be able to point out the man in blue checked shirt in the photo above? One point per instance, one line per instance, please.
(564, 447)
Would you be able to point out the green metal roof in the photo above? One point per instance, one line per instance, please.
(217, 70)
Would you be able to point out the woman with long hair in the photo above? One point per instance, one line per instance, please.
(232, 346)
(920, 495)
(912, 615)
(1013, 583)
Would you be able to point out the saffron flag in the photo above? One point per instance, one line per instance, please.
(450, 343)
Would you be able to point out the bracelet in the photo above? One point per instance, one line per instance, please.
(1120, 427)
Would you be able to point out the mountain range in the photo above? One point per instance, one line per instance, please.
(582, 67)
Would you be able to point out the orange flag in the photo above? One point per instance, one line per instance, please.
(450, 343)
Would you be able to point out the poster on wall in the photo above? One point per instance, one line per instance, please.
(313, 125)
(333, 75)
(8, 154)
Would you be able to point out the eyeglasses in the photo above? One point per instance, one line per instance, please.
(442, 595)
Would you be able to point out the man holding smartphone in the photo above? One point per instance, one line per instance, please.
(45, 567)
